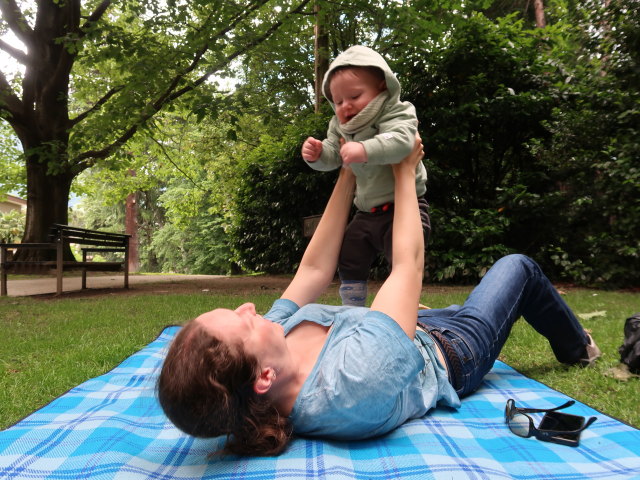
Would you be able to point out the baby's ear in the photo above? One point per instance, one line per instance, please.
(263, 383)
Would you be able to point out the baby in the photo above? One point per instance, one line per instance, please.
(371, 130)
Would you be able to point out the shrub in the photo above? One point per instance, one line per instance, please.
(275, 190)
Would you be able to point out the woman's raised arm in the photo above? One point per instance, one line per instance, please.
(320, 259)
(399, 295)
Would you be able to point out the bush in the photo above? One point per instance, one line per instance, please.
(12, 226)
(200, 247)
(593, 155)
(275, 190)
(465, 247)
(480, 101)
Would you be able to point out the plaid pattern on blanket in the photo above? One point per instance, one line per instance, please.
(111, 427)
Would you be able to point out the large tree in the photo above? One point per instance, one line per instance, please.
(96, 72)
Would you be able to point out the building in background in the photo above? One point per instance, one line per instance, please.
(12, 203)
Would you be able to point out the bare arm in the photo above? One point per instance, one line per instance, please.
(400, 294)
(320, 259)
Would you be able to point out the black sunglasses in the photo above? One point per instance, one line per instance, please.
(559, 428)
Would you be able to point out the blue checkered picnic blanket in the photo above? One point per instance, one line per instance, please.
(111, 427)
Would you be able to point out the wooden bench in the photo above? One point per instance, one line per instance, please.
(309, 225)
(93, 241)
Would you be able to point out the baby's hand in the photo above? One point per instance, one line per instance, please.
(311, 149)
(353, 152)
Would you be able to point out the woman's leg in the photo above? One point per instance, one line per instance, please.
(515, 286)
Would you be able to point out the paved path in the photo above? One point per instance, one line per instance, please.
(47, 285)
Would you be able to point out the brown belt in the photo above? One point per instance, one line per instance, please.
(454, 365)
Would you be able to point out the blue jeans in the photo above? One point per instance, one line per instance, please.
(515, 286)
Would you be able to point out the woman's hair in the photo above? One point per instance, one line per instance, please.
(206, 390)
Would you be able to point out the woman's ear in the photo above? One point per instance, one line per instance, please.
(264, 381)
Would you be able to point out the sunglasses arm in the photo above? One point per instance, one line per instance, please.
(544, 410)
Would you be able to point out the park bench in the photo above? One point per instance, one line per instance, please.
(309, 225)
(92, 241)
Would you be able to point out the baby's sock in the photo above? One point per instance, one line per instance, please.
(353, 292)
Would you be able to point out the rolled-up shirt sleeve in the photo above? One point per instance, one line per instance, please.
(281, 310)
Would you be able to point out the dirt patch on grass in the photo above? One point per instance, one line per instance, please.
(240, 285)
(235, 285)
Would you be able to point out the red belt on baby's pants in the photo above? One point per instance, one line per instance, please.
(381, 208)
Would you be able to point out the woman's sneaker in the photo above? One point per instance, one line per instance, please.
(592, 353)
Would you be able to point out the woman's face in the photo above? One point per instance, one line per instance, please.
(259, 337)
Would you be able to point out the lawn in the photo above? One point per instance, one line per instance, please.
(49, 346)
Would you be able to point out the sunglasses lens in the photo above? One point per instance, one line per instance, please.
(519, 424)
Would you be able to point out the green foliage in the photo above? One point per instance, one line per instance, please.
(199, 247)
(474, 244)
(531, 135)
(480, 100)
(12, 172)
(536, 141)
(275, 190)
(11, 226)
(176, 176)
(166, 49)
(593, 155)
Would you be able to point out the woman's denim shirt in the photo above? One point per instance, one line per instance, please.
(369, 377)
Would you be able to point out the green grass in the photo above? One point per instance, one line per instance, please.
(50, 346)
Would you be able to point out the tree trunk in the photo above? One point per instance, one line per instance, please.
(538, 5)
(131, 227)
(41, 121)
(321, 53)
(47, 203)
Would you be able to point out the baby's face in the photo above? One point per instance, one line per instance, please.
(352, 89)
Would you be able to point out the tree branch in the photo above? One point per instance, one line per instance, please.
(95, 16)
(16, 21)
(16, 53)
(187, 176)
(88, 158)
(9, 102)
(96, 106)
(218, 35)
(194, 63)
(199, 81)
(172, 96)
